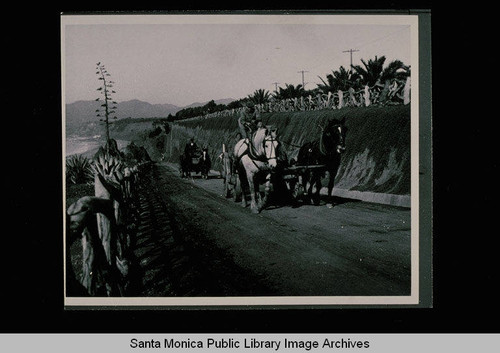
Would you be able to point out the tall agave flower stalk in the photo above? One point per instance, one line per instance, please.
(108, 106)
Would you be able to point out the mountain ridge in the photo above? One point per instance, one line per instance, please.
(81, 113)
(137, 107)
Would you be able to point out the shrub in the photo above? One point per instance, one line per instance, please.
(78, 170)
(155, 132)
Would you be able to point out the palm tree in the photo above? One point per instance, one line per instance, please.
(370, 73)
(260, 96)
(290, 91)
(341, 79)
(374, 72)
(395, 70)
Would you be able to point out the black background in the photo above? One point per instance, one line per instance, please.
(465, 163)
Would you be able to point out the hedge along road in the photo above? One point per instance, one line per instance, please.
(352, 249)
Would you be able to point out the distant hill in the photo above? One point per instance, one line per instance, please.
(139, 109)
(81, 115)
(84, 111)
(219, 101)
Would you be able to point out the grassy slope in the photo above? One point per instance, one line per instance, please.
(378, 141)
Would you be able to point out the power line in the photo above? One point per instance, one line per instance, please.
(302, 71)
(350, 51)
(361, 45)
(381, 38)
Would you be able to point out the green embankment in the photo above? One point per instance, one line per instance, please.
(377, 156)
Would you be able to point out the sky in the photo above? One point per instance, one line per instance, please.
(181, 60)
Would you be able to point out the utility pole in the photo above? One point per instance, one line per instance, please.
(302, 71)
(276, 86)
(350, 51)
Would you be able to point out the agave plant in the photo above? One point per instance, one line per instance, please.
(107, 165)
(79, 170)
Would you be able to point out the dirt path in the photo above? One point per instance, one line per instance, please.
(352, 249)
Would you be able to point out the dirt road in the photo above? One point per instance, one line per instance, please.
(203, 244)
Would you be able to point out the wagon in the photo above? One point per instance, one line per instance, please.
(194, 163)
(230, 179)
(286, 179)
(292, 177)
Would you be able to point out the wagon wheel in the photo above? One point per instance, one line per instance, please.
(298, 190)
(227, 186)
(226, 176)
(237, 190)
(316, 199)
(294, 187)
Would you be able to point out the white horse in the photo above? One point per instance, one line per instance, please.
(256, 159)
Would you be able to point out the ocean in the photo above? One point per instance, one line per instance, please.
(88, 146)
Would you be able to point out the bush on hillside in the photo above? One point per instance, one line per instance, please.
(155, 132)
(134, 154)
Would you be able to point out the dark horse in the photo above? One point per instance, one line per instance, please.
(185, 163)
(325, 151)
(205, 163)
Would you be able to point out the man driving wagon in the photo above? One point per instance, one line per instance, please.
(249, 120)
(191, 149)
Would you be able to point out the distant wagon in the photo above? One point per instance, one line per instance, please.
(195, 160)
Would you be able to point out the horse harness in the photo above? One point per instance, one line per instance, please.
(318, 145)
(253, 156)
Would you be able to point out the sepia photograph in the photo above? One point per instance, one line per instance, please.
(244, 160)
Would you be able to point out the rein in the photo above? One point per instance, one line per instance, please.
(273, 148)
(253, 157)
(290, 144)
(322, 148)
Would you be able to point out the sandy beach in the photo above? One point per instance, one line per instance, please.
(87, 146)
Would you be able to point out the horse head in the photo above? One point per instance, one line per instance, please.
(333, 135)
(266, 145)
(271, 145)
(263, 147)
